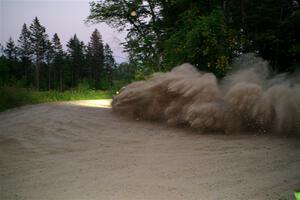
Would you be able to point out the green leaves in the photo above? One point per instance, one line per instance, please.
(144, 27)
(202, 41)
(207, 34)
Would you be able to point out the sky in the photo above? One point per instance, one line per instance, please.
(64, 17)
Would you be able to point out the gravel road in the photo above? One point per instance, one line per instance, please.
(81, 150)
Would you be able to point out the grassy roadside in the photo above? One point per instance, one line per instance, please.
(11, 97)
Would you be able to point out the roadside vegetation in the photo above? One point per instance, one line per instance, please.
(12, 96)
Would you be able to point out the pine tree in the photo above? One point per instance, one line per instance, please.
(24, 50)
(24, 45)
(11, 50)
(1, 49)
(76, 58)
(58, 61)
(109, 63)
(49, 56)
(4, 68)
(95, 56)
(38, 38)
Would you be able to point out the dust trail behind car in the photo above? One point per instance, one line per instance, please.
(250, 97)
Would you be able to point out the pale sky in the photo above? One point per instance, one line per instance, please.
(64, 17)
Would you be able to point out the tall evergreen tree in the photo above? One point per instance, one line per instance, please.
(38, 38)
(49, 56)
(95, 56)
(76, 58)
(24, 50)
(11, 50)
(1, 49)
(24, 44)
(58, 61)
(109, 63)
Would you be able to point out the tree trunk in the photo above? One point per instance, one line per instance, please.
(243, 13)
(26, 73)
(54, 78)
(37, 76)
(72, 78)
(49, 77)
(277, 44)
(60, 80)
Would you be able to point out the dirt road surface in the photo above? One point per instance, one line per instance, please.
(81, 150)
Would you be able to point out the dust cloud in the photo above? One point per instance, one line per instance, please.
(250, 98)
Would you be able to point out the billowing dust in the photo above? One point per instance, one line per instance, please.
(251, 97)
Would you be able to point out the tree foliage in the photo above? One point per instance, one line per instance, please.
(208, 34)
(76, 59)
(141, 19)
(95, 56)
(58, 61)
(11, 50)
(24, 44)
(25, 53)
(109, 64)
(38, 62)
(39, 45)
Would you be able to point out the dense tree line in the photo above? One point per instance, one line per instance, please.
(206, 33)
(40, 62)
(161, 35)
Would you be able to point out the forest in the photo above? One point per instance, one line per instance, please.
(161, 34)
(37, 61)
